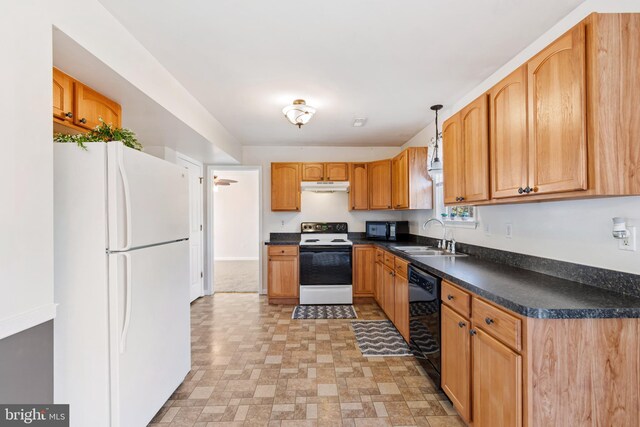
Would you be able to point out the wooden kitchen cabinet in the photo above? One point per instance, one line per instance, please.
(557, 117)
(283, 279)
(79, 107)
(453, 159)
(401, 304)
(359, 187)
(336, 171)
(456, 360)
(91, 107)
(389, 294)
(62, 96)
(378, 292)
(497, 383)
(411, 186)
(312, 171)
(474, 120)
(380, 185)
(285, 186)
(363, 270)
(508, 136)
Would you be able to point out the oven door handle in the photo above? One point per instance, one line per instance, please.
(327, 248)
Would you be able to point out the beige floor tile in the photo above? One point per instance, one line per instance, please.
(327, 390)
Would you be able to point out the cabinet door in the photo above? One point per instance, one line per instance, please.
(91, 106)
(380, 185)
(456, 360)
(400, 180)
(363, 270)
(62, 96)
(497, 383)
(285, 186)
(378, 293)
(508, 125)
(475, 135)
(359, 187)
(453, 160)
(336, 171)
(401, 302)
(388, 304)
(313, 171)
(557, 115)
(283, 277)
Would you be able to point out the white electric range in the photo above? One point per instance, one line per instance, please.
(325, 263)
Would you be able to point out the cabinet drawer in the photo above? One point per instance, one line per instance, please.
(456, 298)
(498, 323)
(379, 255)
(402, 267)
(389, 260)
(282, 250)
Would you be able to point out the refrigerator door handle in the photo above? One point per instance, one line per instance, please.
(127, 198)
(127, 306)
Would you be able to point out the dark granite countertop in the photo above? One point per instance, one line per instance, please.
(523, 291)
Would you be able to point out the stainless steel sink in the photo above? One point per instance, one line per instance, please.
(417, 252)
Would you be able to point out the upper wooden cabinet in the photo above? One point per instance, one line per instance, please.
(77, 106)
(336, 171)
(62, 96)
(508, 127)
(325, 171)
(562, 126)
(359, 186)
(556, 80)
(285, 186)
(411, 186)
(313, 171)
(380, 184)
(466, 154)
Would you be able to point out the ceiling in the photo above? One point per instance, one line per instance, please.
(384, 60)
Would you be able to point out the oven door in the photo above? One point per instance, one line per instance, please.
(325, 265)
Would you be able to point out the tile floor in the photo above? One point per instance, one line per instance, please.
(255, 366)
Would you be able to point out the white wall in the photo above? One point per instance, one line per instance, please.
(315, 206)
(26, 191)
(236, 216)
(576, 231)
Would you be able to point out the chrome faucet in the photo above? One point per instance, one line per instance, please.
(442, 244)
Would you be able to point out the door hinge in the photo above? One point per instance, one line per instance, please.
(201, 274)
(201, 178)
(200, 227)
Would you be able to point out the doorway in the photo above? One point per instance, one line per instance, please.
(236, 231)
(196, 257)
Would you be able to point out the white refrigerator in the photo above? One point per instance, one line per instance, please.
(122, 332)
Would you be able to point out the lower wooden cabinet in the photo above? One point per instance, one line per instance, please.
(389, 294)
(378, 293)
(456, 360)
(401, 305)
(283, 279)
(363, 270)
(497, 383)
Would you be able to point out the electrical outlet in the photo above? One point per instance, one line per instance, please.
(509, 231)
(628, 243)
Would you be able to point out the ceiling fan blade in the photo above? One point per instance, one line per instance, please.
(231, 181)
(222, 183)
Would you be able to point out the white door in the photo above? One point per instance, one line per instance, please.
(195, 225)
(150, 329)
(148, 199)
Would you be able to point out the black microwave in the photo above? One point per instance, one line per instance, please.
(387, 230)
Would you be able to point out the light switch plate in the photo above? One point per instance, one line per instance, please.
(628, 244)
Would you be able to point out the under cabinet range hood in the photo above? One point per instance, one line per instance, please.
(325, 186)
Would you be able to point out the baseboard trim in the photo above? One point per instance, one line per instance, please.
(28, 319)
(236, 259)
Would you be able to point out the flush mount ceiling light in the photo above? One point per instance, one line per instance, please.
(359, 122)
(298, 113)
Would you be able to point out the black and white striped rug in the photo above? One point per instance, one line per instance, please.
(379, 338)
(324, 312)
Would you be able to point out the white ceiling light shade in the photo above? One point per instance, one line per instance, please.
(298, 113)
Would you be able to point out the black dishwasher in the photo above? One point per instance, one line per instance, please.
(424, 320)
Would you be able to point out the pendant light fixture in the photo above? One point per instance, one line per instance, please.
(298, 113)
(435, 166)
